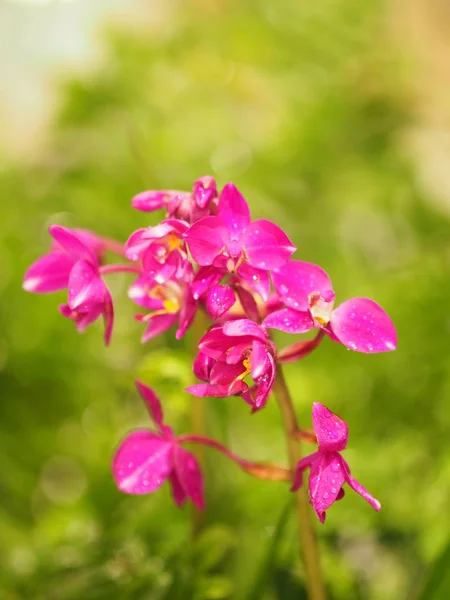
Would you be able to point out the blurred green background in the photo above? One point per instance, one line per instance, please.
(308, 107)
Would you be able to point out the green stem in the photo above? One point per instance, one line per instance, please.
(307, 538)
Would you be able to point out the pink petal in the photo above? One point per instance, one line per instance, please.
(264, 384)
(190, 476)
(266, 245)
(289, 320)
(152, 401)
(142, 462)
(217, 391)
(169, 269)
(204, 191)
(151, 200)
(257, 279)
(325, 481)
(50, 273)
(206, 239)
(234, 211)
(186, 315)
(248, 303)
(202, 366)
(136, 245)
(302, 465)
(177, 490)
(215, 344)
(225, 374)
(108, 316)
(139, 292)
(236, 353)
(260, 361)
(204, 279)
(90, 239)
(72, 243)
(297, 279)
(359, 489)
(331, 431)
(362, 325)
(86, 287)
(219, 300)
(157, 324)
(82, 319)
(244, 327)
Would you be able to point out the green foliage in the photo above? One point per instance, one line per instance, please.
(298, 103)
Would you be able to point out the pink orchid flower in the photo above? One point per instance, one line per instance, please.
(168, 295)
(154, 245)
(72, 263)
(181, 205)
(228, 354)
(231, 242)
(146, 459)
(328, 470)
(360, 324)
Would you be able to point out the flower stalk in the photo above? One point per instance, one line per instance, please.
(307, 538)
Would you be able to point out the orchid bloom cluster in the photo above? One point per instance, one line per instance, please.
(207, 254)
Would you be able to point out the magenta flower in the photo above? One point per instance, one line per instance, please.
(228, 354)
(72, 263)
(168, 295)
(359, 323)
(232, 243)
(146, 459)
(328, 470)
(181, 205)
(153, 245)
(50, 273)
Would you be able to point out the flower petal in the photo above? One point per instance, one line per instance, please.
(139, 292)
(50, 273)
(72, 243)
(202, 366)
(359, 489)
(204, 191)
(234, 211)
(266, 245)
(244, 327)
(260, 362)
(331, 431)
(190, 476)
(225, 374)
(86, 287)
(325, 481)
(302, 465)
(177, 490)
(151, 200)
(142, 462)
(152, 401)
(264, 384)
(362, 325)
(108, 316)
(289, 320)
(297, 279)
(257, 279)
(219, 300)
(186, 315)
(204, 279)
(217, 391)
(248, 303)
(157, 324)
(81, 319)
(206, 239)
(136, 245)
